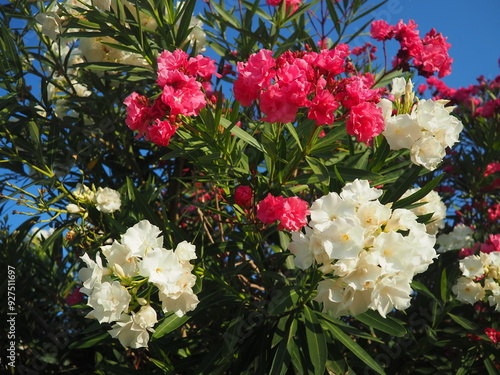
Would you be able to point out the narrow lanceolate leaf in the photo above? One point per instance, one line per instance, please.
(242, 134)
(316, 341)
(282, 358)
(169, 324)
(352, 346)
(419, 194)
(387, 325)
(402, 184)
(467, 324)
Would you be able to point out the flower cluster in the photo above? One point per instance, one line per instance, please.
(105, 199)
(310, 80)
(183, 82)
(290, 212)
(429, 54)
(480, 278)
(424, 127)
(120, 290)
(368, 252)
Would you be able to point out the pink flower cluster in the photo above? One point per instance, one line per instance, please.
(310, 80)
(429, 54)
(183, 81)
(290, 212)
(291, 5)
(490, 245)
(480, 99)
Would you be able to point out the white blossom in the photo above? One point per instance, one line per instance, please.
(107, 200)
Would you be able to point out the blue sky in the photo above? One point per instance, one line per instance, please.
(471, 27)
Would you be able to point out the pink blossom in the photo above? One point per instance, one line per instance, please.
(365, 121)
(137, 112)
(183, 95)
(433, 56)
(74, 297)
(333, 60)
(169, 62)
(161, 132)
(202, 67)
(491, 168)
(273, 3)
(494, 212)
(356, 92)
(381, 30)
(466, 251)
(322, 108)
(493, 334)
(253, 76)
(270, 209)
(491, 244)
(408, 37)
(243, 196)
(276, 104)
(294, 215)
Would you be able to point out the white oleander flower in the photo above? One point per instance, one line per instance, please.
(93, 274)
(433, 204)
(398, 87)
(472, 266)
(460, 237)
(118, 255)
(162, 268)
(73, 208)
(107, 200)
(108, 300)
(142, 238)
(129, 333)
(51, 24)
(468, 291)
(83, 193)
(391, 292)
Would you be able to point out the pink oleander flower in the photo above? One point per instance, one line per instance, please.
(184, 95)
(433, 56)
(494, 212)
(491, 168)
(322, 108)
(161, 132)
(467, 251)
(275, 103)
(493, 334)
(332, 60)
(365, 121)
(137, 112)
(294, 215)
(243, 196)
(381, 30)
(254, 75)
(74, 297)
(356, 92)
(492, 244)
(408, 36)
(270, 209)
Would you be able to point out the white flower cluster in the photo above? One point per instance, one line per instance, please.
(460, 237)
(426, 127)
(134, 267)
(105, 199)
(432, 203)
(480, 279)
(371, 251)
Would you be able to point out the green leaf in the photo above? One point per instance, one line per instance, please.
(388, 325)
(240, 133)
(352, 346)
(465, 323)
(89, 340)
(401, 185)
(421, 288)
(319, 170)
(282, 357)
(419, 194)
(283, 299)
(169, 324)
(316, 341)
